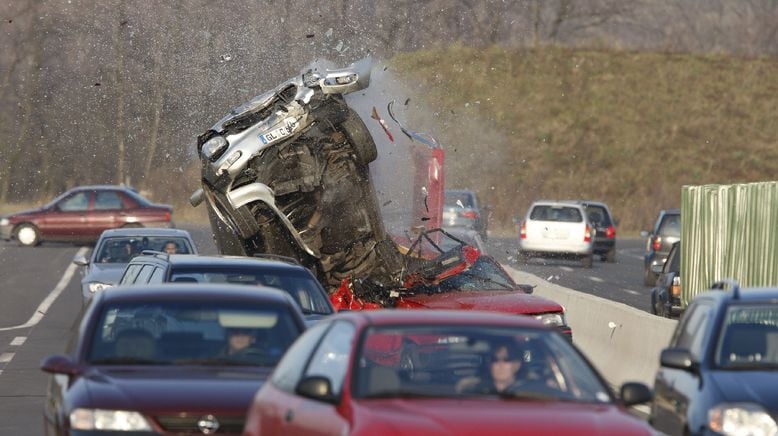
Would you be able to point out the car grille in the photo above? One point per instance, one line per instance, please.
(188, 424)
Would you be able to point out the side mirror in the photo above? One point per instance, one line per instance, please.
(657, 268)
(316, 388)
(644, 234)
(677, 358)
(635, 393)
(60, 364)
(81, 260)
(527, 289)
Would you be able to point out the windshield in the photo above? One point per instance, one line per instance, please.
(749, 337)
(556, 213)
(303, 288)
(176, 332)
(484, 275)
(473, 361)
(123, 249)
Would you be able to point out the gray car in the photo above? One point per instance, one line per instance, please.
(115, 248)
(659, 241)
(462, 208)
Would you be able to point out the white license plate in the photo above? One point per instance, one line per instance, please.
(290, 125)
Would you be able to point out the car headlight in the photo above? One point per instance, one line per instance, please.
(214, 147)
(4, 221)
(741, 419)
(117, 420)
(551, 319)
(95, 287)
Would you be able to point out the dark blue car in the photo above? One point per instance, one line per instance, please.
(720, 373)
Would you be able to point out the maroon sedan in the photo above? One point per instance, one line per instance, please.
(439, 373)
(168, 359)
(82, 213)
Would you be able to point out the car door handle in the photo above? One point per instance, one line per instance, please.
(289, 415)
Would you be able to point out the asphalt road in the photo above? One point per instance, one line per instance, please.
(40, 299)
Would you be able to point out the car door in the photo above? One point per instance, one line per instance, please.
(67, 218)
(675, 389)
(108, 206)
(330, 359)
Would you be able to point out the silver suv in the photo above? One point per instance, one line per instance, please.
(556, 229)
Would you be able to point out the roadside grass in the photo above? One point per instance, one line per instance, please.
(627, 128)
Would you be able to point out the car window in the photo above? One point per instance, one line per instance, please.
(556, 213)
(331, 357)
(692, 333)
(144, 275)
(483, 275)
(749, 337)
(108, 200)
(598, 215)
(671, 226)
(673, 263)
(76, 202)
(131, 273)
(290, 369)
(461, 199)
(158, 276)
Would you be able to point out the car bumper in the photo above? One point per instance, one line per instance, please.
(604, 246)
(545, 249)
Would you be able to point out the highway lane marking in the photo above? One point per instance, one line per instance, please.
(19, 340)
(630, 291)
(49, 300)
(6, 357)
(595, 279)
(566, 268)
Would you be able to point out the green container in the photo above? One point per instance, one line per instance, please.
(728, 232)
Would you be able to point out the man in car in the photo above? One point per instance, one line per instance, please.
(239, 342)
(170, 247)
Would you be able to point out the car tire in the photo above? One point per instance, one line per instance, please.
(359, 137)
(649, 279)
(27, 235)
(610, 256)
(587, 261)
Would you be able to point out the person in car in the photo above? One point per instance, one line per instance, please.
(502, 374)
(170, 247)
(121, 252)
(239, 342)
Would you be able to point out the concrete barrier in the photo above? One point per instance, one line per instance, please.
(622, 342)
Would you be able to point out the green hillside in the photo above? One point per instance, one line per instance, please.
(627, 128)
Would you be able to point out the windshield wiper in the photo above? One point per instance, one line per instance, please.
(313, 312)
(127, 361)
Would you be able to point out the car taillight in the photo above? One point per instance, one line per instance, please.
(167, 216)
(675, 289)
(611, 232)
(588, 234)
(657, 243)
(523, 231)
(469, 214)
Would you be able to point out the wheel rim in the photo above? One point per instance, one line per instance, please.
(26, 235)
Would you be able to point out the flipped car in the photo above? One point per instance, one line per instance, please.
(391, 372)
(163, 359)
(82, 213)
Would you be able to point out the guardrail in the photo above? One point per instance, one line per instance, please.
(622, 342)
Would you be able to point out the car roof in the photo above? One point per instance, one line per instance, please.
(100, 187)
(744, 295)
(225, 260)
(554, 203)
(456, 317)
(586, 202)
(145, 231)
(194, 292)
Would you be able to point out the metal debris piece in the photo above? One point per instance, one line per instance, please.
(380, 120)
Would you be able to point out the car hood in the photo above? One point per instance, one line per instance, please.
(24, 213)
(515, 302)
(108, 273)
(174, 389)
(495, 416)
(748, 386)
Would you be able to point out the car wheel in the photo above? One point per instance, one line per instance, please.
(360, 138)
(587, 261)
(610, 256)
(649, 279)
(27, 235)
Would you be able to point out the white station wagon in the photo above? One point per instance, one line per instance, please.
(556, 229)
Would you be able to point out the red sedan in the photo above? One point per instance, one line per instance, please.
(438, 373)
(82, 213)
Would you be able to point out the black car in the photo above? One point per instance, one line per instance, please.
(279, 272)
(462, 208)
(666, 231)
(666, 295)
(720, 373)
(604, 228)
(168, 359)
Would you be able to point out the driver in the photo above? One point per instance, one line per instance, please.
(239, 341)
(504, 365)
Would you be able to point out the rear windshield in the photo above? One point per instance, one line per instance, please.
(671, 226)
(462, 199)
(598, 215)
(556, 213)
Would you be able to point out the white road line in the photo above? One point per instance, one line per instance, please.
(630, 291)
(596, 279)
(6, 357)
(19, 340)
(566, 268)
(49, 300)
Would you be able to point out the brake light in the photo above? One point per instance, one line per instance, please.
(588, 234)
(657, 243)
(469, 214)
(523, 231)
(167, 216)
(611, 232)
(675, 289)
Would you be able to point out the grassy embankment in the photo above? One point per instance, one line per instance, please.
(627, 128)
